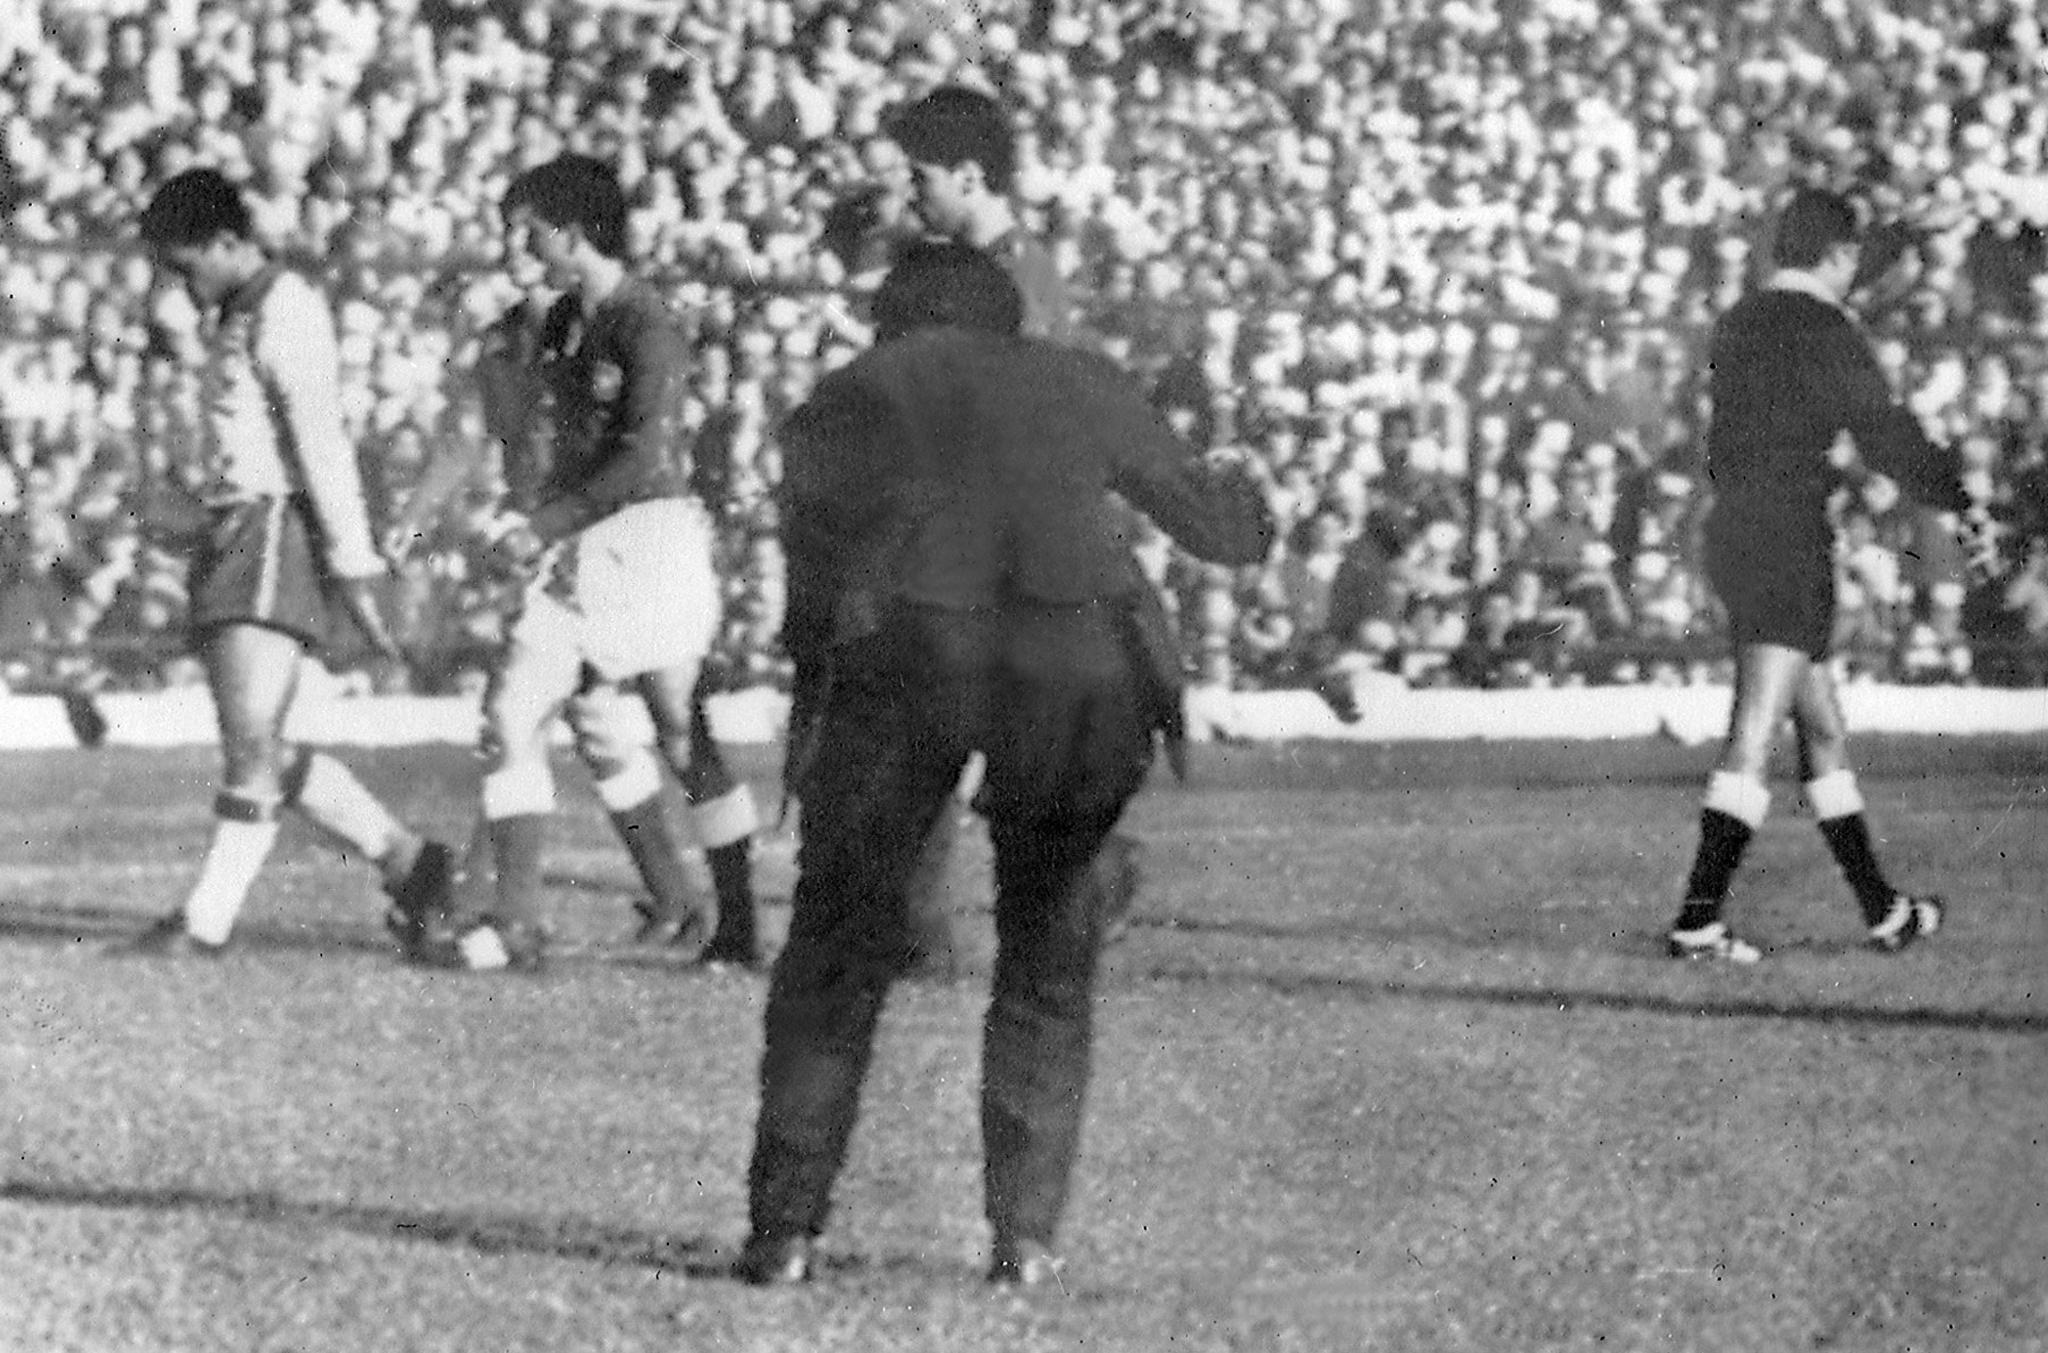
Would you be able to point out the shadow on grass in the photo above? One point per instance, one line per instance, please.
(74, 925)
(111, 929)
(1567, 998)
(482, 1232)
(112, 926)
(571, 1238)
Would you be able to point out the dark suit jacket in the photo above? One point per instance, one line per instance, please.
(965, 470)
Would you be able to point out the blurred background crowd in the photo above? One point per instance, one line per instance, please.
(1442, 269)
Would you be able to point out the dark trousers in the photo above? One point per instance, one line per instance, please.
(1051, 697)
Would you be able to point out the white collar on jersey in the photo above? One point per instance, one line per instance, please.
(1805, 283)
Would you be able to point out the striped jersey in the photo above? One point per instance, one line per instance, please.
(271, 421)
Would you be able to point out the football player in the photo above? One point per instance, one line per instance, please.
(283, 550)
(622, 598)
(1790, 375)
(512, 376)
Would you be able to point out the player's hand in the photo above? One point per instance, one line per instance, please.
(359, 598)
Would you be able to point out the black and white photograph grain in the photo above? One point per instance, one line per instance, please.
(1023, 676)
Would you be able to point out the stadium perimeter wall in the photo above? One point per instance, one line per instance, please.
(1692, 714)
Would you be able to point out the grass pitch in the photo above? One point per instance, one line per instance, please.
(1391, 1060)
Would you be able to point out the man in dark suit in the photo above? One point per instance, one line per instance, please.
(960, 582)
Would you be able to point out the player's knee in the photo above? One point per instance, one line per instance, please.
(605, 734)
(725, 819)
(511, 733)
(1824, 754)
(252, 758)
(1750, 735)
(626, 783)
(521, 787)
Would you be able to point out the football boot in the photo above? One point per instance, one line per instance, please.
(1910, 919)
(1713, 940)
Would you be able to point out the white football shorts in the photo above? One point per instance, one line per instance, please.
(641, 592)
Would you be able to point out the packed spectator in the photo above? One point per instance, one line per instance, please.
(1441, 267)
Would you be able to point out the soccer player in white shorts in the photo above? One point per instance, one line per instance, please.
(622, 599)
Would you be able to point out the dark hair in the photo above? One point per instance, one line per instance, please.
(955, 125)
(1812, 225)
(575, 190)
(193, 207)
(941, 282)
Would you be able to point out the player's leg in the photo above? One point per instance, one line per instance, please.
(538, 674)
(252, 672)
(1737, 799)
(612, 739)
(722, 813)
(652, 597)
(1894, 919)
(416, 873)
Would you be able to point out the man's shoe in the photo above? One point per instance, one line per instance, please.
(1910, 919)
(423, 894)
(168, 938)
(775, 1260)
(487, 945)
(1026, 1264)
(1713, 940)
(687, 931)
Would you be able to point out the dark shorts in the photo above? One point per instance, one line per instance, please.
(1777, 585)
(261, 565)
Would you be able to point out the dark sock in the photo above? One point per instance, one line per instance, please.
(1723, 838)
(1848, 837)
(1695, 914)
(732, 877)
(516, 845)
(651, 841)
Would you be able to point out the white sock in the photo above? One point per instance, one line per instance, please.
(1834, 795)
(1747, 801)
(233, 860)
(339, 804)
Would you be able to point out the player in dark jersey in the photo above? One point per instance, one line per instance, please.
(622, 596)
(512, 378)
(1791, 377)
(284, 550)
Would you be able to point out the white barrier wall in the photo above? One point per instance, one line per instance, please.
(1691, 714)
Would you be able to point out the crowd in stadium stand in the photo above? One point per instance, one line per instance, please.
(1443, 268)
